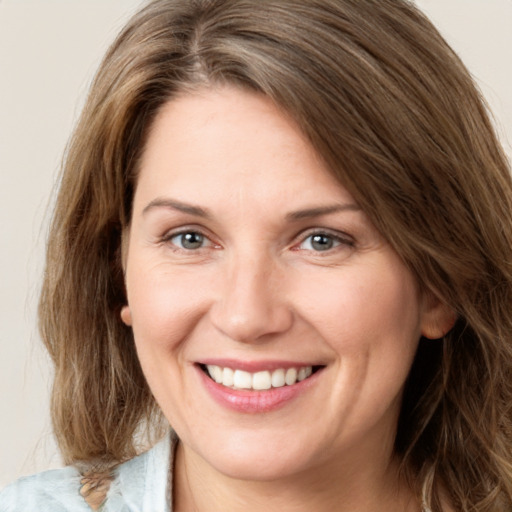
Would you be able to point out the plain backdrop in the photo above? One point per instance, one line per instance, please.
(49, 50)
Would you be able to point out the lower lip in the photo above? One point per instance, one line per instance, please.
(253, 402)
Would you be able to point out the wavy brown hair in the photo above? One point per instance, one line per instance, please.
(398, 120)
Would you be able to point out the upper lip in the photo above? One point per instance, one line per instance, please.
(256, 366)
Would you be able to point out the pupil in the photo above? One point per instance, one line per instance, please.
(192, 240)
(321, 242)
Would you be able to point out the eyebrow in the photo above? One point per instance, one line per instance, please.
(321, 210)
(197, 211)
(161, 202)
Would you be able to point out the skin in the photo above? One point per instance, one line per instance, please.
(258, 289)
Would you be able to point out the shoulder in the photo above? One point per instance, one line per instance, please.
(51, 491)
(139, 485)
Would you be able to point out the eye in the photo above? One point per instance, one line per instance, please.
(189, 240)
(322, 242)
(319, 242)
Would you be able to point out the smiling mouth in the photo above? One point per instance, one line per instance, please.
(258, 381)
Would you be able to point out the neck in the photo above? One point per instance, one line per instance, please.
(356, 487)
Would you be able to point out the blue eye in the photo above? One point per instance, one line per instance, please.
(321, 242)
(189, 240)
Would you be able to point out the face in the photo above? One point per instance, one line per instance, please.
(273, 323)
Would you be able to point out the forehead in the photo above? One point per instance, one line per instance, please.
(229, 141)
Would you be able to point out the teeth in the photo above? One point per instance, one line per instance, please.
(261, 380)
(242, 380)
(278, 379)
(216, 374)
(291, 376)
(239, 379)
(304, 373)
(228, 377)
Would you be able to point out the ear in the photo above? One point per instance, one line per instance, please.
(437, 319)
(126, 315)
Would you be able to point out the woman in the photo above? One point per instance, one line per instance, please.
(285, 227)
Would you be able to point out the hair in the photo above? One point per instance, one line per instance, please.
(399, 122)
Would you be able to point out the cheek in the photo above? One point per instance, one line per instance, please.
(165, 304)
(165, 307)
(372, 310)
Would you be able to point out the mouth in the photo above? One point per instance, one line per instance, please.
(237, 379)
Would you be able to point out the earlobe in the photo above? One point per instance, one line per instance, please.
(438, 319)
(126, 315)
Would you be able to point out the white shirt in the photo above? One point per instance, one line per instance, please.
(142, 484)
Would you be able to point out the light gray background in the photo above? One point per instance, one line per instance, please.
(49, 50)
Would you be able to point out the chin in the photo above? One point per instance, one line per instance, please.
(255, 457)
(255, 469)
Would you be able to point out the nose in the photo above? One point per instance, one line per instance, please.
(251, 305)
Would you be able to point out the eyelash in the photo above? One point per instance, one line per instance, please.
(337, 239)
(167, 239)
